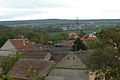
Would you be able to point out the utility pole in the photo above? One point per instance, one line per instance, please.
(77, 23)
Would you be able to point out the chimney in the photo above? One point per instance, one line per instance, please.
(22, 37)
(23, 40)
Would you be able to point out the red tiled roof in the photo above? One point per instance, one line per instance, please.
(91, 38)
(21, 67)
(72, 33)
(24, 45)
(44, 49)
(85, 36)
(71, 43)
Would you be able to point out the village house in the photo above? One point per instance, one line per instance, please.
(61, 49)
(73, 35)
(65, 43)
(42, 47)
(89, 37)
(57, 56)
(20, 69)
(17, 45)
(71, 67)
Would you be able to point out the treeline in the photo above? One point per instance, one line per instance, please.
(105, 60)
(35, 36)
(61, 21)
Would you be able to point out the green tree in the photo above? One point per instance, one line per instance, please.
(60, 37)
(3, 39)
(38, 37)
(45, 38)
(9, 62)
(79, 45)
(106, 57)
(80, 34)
(5, 36)
(4, 78)
(33, 75)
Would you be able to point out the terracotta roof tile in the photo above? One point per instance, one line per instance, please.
(71, 43)
(21, 67)
(24, 45)
(91, 38)
(85, 36)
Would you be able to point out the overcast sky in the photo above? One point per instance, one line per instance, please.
(59, 9)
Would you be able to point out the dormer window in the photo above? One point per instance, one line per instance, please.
(68, 58)
(97, 79)
(73, 58)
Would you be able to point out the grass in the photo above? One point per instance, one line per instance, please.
(67, 32)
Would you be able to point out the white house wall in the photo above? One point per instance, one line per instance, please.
(71, 61)
(8, 46)
(7, 49)
(7, 53)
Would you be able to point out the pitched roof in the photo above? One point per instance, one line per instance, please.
(36, 55)
(82, 55)
(61, 49)
(57, 57)
(65, 43)
(74, 60)
(71, 43)
(85, 36)
(68, 74)
(24, 45)
(21, 67)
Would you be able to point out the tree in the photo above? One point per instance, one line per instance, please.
(78, 45)
(3, 39)
(33, 75)
(60, 37)
(106, 57)
(9, 62)
(80, 34)
(45, 38)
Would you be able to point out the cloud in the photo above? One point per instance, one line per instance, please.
(7, 13)
(63, 9)
(45, 13)
(29, 4)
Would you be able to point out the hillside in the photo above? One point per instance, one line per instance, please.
(60, 21)
(53, 26)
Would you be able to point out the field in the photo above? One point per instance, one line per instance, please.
(54, 26)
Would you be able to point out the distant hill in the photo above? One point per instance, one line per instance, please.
(34, 21)
(56, 21)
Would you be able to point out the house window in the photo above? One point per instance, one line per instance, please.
(73, 58)
(68, 58)
(97, 79)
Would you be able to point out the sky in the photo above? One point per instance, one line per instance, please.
(59, 9)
